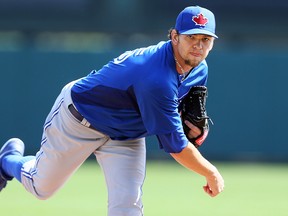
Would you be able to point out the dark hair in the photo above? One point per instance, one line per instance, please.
(169, 32)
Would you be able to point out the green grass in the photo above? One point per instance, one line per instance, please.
(170, 190)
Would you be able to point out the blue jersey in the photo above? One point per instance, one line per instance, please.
(137, 95)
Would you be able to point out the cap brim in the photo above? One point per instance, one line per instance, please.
(198, 31)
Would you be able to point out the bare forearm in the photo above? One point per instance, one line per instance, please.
(191, 158)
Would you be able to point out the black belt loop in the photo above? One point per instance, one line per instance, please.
(75, 113)
(78, 116)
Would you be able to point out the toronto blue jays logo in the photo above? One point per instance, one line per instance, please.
(200, 19)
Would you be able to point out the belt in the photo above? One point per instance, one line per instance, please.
(79, 117)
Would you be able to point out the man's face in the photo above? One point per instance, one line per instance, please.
(194, 48)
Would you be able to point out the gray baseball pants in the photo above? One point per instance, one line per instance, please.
(66, 144)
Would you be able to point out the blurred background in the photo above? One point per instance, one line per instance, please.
(46, 43)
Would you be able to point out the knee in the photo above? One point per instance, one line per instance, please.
(40, 191)
(43, 196)
(125, 203)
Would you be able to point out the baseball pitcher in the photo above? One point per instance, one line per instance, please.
(157, 90)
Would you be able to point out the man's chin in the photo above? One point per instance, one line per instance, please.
(193, 63)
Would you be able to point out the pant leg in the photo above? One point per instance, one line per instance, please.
(123, 164)
(65, 145)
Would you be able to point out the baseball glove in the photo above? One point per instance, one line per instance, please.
(194, 110)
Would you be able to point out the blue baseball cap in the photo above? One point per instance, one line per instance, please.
(196, 20)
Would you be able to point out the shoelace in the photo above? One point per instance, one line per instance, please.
(203, 110)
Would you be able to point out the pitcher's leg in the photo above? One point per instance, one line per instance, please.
(123, 164)
(65, 145)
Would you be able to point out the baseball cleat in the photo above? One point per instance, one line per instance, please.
(13, 146)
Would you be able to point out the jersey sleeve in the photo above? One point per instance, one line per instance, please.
(172, 142)
(158, 105)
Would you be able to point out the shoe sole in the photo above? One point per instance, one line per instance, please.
(17, 148)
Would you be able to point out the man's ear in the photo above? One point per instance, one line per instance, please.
(174, 36)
